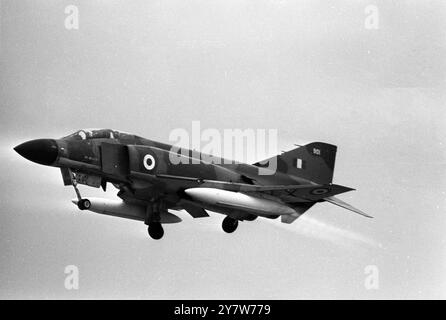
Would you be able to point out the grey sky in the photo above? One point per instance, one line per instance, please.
(307, 68)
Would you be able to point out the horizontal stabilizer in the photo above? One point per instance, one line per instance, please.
(345, 205)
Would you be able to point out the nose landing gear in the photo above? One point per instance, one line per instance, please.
(84, 204)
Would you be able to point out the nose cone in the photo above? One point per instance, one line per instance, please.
(42, 151)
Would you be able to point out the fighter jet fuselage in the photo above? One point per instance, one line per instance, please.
(155, 178)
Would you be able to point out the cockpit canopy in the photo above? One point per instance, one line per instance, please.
(87, 134)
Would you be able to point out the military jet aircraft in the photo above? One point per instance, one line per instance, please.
(150, 184)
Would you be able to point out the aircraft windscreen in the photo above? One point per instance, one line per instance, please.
(86, 134)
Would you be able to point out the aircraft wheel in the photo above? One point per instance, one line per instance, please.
(251, 217)
(84, 204)
(229, 224)
(155, 230)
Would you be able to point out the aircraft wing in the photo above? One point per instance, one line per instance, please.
(288, 193)
(312, 193)
(309, 192)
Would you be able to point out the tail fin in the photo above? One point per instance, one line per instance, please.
(314, 161)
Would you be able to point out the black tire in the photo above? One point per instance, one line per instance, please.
(251, 217)
(155, 230)
(229, 225)
(84, 204)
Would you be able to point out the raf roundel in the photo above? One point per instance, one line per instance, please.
(149, 162)
(319, 191)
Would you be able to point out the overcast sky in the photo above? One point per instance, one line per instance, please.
(310, 69)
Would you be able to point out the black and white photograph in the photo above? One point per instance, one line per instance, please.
(243, 150)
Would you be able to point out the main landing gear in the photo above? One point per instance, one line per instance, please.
(155, 230)
(229, 224)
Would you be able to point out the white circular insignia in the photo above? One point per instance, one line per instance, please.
(149, 162)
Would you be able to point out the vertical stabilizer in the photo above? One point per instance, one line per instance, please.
(314, 161)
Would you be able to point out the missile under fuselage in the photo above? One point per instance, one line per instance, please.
(214, 198)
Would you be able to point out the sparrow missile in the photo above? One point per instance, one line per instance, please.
(119, 208)
(237, 200)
